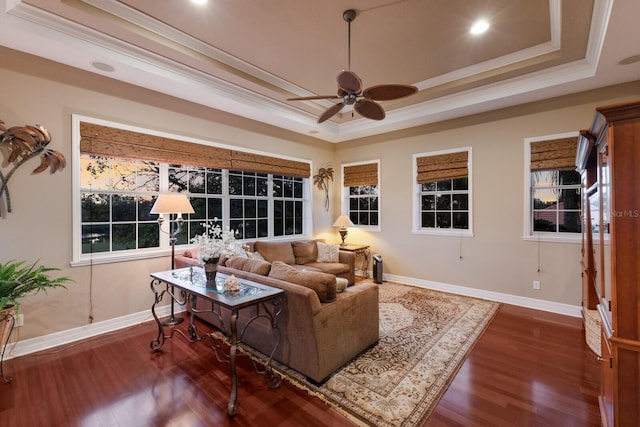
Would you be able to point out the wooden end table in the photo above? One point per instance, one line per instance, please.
(362, 253)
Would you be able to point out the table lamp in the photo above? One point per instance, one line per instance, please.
(177, 204)
(343, 222)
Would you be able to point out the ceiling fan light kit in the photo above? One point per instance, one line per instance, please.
(350, 90)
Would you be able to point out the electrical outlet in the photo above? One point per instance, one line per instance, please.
(536, 284)
(19, 321)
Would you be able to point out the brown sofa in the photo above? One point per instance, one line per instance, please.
(303, 254)
(321, 329)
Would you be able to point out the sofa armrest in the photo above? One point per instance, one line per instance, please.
(182, 261)
(349, 258)
(346, 327)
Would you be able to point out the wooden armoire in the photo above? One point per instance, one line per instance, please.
(609, 160)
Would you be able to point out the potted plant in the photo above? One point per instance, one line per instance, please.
(18, 279)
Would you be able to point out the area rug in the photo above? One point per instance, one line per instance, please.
(425, 336)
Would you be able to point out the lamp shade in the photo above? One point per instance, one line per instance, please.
(172, 203)
(343, 221)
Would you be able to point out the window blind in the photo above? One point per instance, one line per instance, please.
(357, 175)
(249, 162)
(555, 154)
(442, 166)
(107, 141)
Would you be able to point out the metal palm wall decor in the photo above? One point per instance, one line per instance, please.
(18, 145)
(321, 180)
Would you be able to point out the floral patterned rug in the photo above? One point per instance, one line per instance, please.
(425, 336)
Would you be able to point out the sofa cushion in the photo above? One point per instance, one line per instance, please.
(275, 251)
(322, 283)
(251, 265)
(305, 251)
(334, 268)
(306, 267)
(328, 253)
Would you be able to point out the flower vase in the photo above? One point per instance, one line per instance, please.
(210, 269)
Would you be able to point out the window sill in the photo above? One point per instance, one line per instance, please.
(372, 228)
(107, 258)
(575, 239)
(445, 232)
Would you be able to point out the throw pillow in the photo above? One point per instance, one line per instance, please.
(305, 251)
(323, 284)
(191, 253)
(255, 266)
(328, 253)
(255, 255)
(341, 284)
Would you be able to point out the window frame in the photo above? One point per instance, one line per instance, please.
(527, 232)
(346, 196)
(417, 193)
(81, 259)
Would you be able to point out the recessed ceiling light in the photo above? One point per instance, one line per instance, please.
(103, 66)
(479, 27)
(199, 1)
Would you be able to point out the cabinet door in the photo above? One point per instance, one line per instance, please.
(604, 246)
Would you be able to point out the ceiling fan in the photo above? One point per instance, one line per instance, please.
(350, 90)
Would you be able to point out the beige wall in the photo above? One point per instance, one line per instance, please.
(495, 259)
(40, 226)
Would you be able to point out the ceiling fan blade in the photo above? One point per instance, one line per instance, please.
(330, 112)
(348, 81)
(306, 98)
(369, 109)
(388, 92)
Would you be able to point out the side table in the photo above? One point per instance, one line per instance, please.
(362, 253)
(191, 284)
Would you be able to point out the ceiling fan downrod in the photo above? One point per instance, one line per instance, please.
(349, 15)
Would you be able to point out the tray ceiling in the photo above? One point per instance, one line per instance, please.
(248, 59)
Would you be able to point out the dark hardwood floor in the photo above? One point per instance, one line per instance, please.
(530, 368)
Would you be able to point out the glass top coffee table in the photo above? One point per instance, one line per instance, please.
(191, 285)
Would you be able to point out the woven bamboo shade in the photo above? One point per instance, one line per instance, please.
(555, 154)
(355, 176)
(265, 164)
(106, 141)
(442, 166)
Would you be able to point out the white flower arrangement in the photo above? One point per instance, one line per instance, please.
(215, 242)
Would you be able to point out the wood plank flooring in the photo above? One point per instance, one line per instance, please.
(530, 368)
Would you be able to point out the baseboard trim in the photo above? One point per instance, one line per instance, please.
(45, 342)
(537, 304)
(55, 339)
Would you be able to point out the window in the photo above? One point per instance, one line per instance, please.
(554, 194)
(288, 205)
(361, 193)
(116, 197)
(114, 193)
(204, 189)
(443, 192)
(248, 199)
(445, 204)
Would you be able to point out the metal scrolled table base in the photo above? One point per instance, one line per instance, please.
(273, 380)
